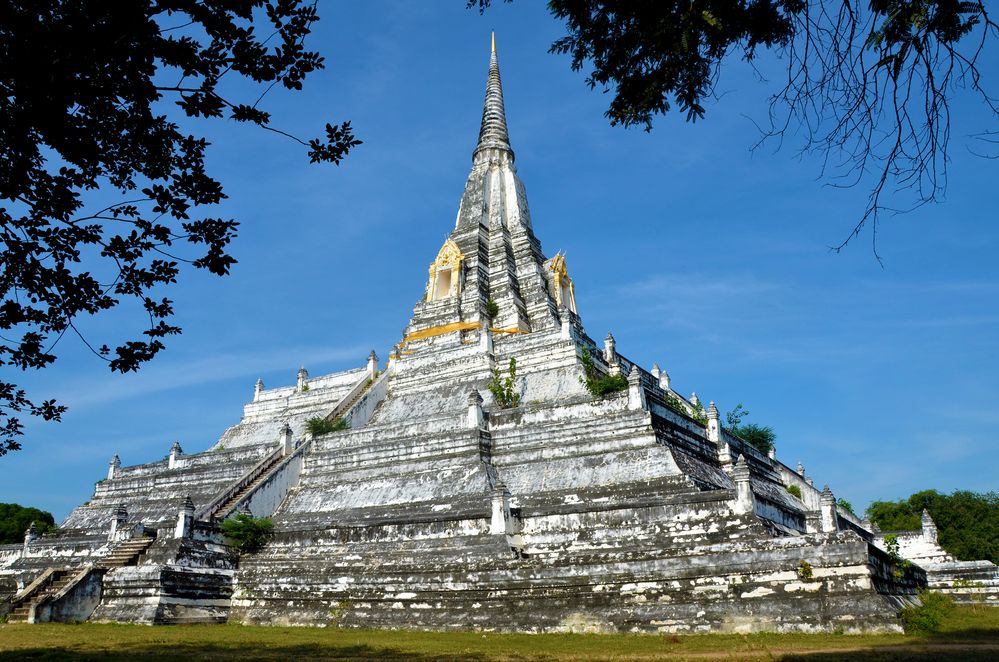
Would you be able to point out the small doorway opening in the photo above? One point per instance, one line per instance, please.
(442, 287)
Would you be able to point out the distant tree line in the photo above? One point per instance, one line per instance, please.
(15, 520)
(967, 522)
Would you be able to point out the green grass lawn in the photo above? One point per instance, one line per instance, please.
(967, 634)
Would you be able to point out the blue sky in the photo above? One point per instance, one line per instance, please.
(697, 253)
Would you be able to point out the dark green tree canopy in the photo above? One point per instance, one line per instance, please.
(92, 96)
(15, 520)
(967, 522)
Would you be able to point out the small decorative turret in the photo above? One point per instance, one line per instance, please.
(185, 519)
(119, 520)
(656, 371)
(285, 440)
(800, 469)
(610, 349)
(694, 400)
(827, 511)
(175, 452)
(500, 522)
(636, 392)
(258, 389)
(713, 427)
(30, 536)
(664, 381)
(372, 364)
(114, 466)
(929, 527)
(303, 380)
(476, 420)
(744, 498)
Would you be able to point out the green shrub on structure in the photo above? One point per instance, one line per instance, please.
(504, 388)
(675, 404)
(847, 506)
(699, 414)
(927, 617)
(597, 384)
(805, 569)
(247, 533)
(794, 491)
(318, 425)
(760, 437)
(492, 309)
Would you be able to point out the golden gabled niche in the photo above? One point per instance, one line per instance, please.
(565, 292)
(445, 273)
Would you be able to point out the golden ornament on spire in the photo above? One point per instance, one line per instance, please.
(494, 41)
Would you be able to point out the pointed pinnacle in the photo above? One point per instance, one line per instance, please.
(493, 133)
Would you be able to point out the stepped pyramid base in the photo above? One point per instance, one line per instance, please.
(458, 502)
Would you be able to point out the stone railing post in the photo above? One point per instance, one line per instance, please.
(476, 420)
(745, 502)
(610, 354)
(258, 389)
(285, 440)
(725, 455)
(636, 392)
(119, 522)
(501, 510)
(175, 452)
(114, 466)
(713, 428)
(185, 519)
(30, 536)
(827, 511)
(929, 527)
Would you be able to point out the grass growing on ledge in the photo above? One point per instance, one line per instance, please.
(318, 425)
(966, 634)
(597, 384)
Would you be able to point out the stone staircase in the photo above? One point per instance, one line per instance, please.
(127, 553)
(260, 474)
(55, 580)
(351, 399)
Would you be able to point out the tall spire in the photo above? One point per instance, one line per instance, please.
(493, 133)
